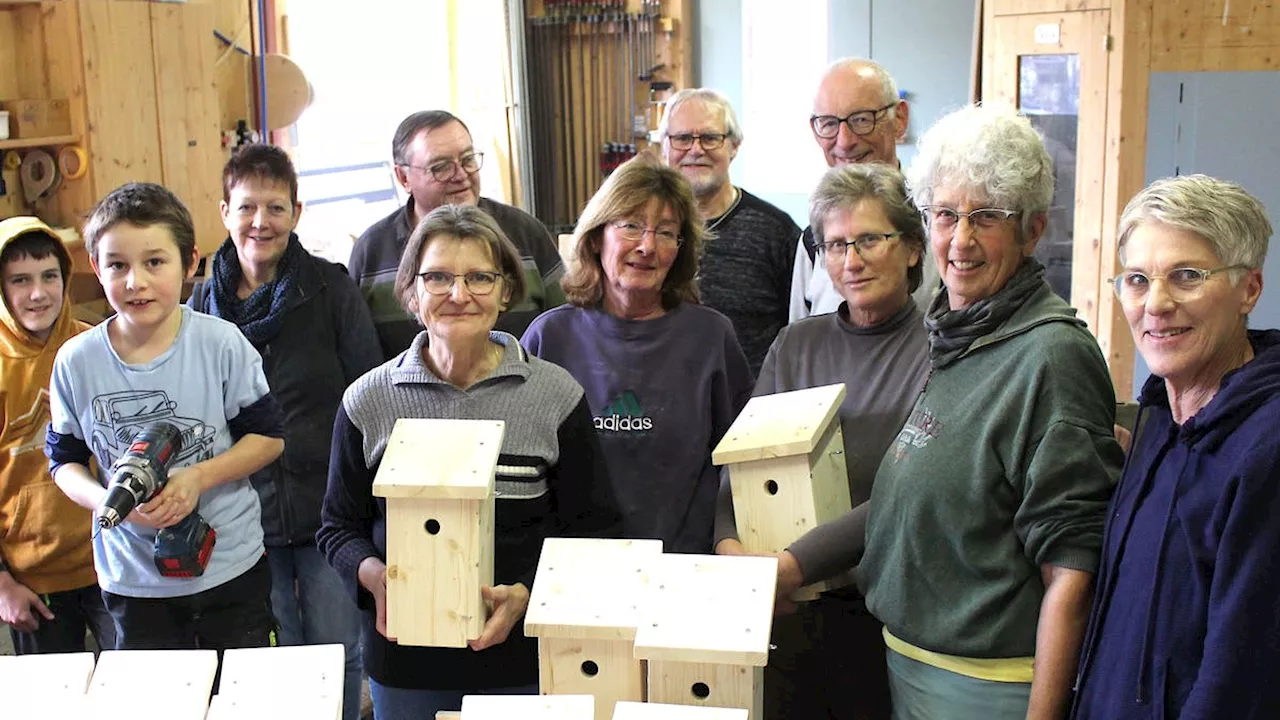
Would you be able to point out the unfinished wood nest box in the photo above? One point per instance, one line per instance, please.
(437, 477)
(584, 610)
(785, 454)
(704, 629)
(301, 681)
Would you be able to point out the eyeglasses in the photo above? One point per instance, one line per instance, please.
(1182, 284)
(443, 170)
(635, 232)
(945, 219)
(861, 122)
(477, 282)
(867, 245)
(709, 141)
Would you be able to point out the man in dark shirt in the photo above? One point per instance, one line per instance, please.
(437, 163)
(747, 265)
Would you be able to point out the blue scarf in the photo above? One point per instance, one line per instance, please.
(261, 315)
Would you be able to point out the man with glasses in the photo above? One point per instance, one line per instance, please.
(437, 164)
(857, 118)
(747, 262)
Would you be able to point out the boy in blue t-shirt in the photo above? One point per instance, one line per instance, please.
(157, 361)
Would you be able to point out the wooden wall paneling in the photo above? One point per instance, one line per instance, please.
(120, 93)
(231, 68)
(191, 156)
(8, 55)
(1199, 35)
(65, 74)
(1129, 74)
(30, 47)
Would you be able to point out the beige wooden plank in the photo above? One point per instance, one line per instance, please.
(1126, 150)
(708, 609)
(659, 711)
(313, 672)
(120, 94)
(177, 682)
(8, 55)
(31, 51)
(66, 72)
(708, 686)
(428, 458)
(1031, 7)
(434, 578)
(604, 669)
(588, 588)
(187, 113)
(38, 677)
(284, 704)
(1202, 35)
(527, 707)
(780, 425)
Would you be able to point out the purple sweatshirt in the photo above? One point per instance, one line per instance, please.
(1186, 620)
(662, 393)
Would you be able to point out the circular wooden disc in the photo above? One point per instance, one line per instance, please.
(288, 92)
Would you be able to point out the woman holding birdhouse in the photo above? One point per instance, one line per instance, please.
(457, 273)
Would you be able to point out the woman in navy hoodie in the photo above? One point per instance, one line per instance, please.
(1186, 621)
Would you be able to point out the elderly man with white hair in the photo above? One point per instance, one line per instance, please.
(857, 118)
(746, 266)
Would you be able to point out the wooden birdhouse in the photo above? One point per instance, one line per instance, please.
(704, 629)
(657, 711)
(310, 676)
(437, 477)
(528, 707)
(584, 610)
(46, 686)
(785, 454)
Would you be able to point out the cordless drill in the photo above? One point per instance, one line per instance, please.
(138, 475)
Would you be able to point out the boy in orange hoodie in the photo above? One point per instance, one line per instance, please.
(48, 590)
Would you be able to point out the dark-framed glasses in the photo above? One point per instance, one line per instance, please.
(1182, 284)
(442, 170)
(634, 232)
(867, 245)
(860, 122)
(709, 141)
(477, 282)
(945, 219)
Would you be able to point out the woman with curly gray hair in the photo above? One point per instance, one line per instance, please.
(986, 513)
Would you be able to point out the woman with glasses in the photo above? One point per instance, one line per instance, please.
(828, 659)
(986, 514)
(1186, 619)
(664, 376)
(458, 272)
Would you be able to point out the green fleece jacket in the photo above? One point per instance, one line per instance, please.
(1005, 464)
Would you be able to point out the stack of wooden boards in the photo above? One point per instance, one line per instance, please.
(302, 682)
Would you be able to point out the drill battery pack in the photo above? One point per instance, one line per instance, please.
(183, 550)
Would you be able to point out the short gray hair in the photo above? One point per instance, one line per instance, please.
(888, 87)
(710, 98)
(416, 123)
(990, 149)
(1232, 220)
(844, 187)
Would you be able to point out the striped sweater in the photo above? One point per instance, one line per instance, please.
(552, 481)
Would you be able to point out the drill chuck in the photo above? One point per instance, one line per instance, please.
(140, 473)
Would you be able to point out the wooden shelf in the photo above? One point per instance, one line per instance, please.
(50, 141)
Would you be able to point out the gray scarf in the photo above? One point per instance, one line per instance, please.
(951, 332)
